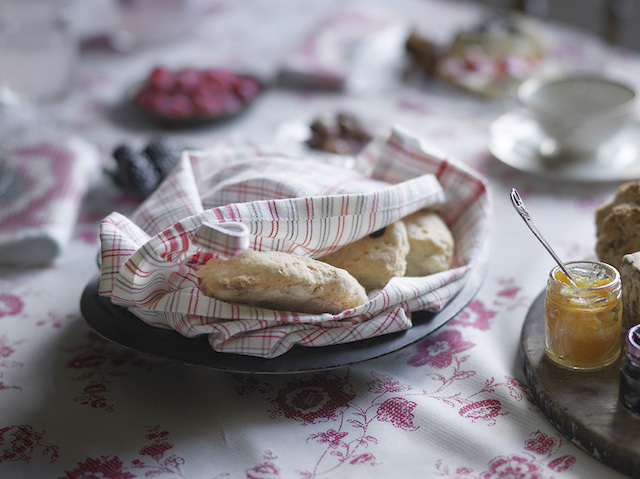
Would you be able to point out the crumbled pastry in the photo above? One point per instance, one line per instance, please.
(277, 280)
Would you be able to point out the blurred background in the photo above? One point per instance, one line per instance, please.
(614, 20)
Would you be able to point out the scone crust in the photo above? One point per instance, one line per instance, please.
(619, 234)
(431, 243)
(276, 280)
(374, 260)
(627, 193)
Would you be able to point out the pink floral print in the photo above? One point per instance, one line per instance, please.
(399, 412)
(528, 464)
(105, 467)
(312, 400)
(10, 305)
(485, 410)
(516, 465)
(439, 350)
(21, 443)
(112, 467)
(475, 315)
(99, 362)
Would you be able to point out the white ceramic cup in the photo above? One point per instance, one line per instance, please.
(577, 113)
(38, 50)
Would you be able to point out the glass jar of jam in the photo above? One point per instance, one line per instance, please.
(630, 372)
(583, 322)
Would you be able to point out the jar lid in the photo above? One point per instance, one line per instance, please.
(633, 342)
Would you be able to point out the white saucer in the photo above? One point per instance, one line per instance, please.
(515, 140)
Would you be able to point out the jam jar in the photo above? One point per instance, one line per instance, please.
(630, 372)
(583, 321)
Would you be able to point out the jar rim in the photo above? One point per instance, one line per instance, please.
(633, 336)
(614, 274)
(633, 340)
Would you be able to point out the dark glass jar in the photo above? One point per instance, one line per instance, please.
(630, 372)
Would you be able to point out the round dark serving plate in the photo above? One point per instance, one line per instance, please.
(120, 326)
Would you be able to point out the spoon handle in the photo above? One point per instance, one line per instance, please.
(524, 214)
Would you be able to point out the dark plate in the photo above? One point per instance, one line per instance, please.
(120, 326)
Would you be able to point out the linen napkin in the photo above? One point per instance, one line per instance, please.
(221, 201)
(42, 184)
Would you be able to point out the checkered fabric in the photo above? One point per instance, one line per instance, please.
(221, 201)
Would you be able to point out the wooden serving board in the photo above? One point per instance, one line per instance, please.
(582, 405)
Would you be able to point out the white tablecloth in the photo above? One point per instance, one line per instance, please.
(455, 404)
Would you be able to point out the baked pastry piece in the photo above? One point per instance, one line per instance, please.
(376, 258)
(627, 193)
(618, 224)
(276, 280)
(431, 243)
(619, 234)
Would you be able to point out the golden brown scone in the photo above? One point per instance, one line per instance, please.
(619, 234)
(431, 243)
(376, 258)
(627, 193)
(271, 279)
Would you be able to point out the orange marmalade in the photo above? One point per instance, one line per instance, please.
(583, 322)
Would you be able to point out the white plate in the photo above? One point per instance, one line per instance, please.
(515, 140)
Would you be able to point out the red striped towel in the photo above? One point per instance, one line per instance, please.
(221, 201)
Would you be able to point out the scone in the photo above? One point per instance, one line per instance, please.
(271, 279)
(619, 234)
(627, 193)
(376, 258)
(431, 243)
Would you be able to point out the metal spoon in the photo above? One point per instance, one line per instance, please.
(519, 206)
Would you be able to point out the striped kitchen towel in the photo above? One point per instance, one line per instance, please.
(218, 202)
(43, 181)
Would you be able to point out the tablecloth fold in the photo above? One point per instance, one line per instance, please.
(223, 200)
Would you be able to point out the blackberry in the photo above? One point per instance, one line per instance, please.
(135, 173)
(143, 176)
(163, 155)
(123, 155)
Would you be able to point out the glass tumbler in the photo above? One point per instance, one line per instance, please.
(583, 323)
(38, 51)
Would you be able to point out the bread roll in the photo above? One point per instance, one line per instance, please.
(276, 280)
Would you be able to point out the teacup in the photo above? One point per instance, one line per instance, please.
(577, 113)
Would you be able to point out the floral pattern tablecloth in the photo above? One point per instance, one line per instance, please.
(454, 405)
